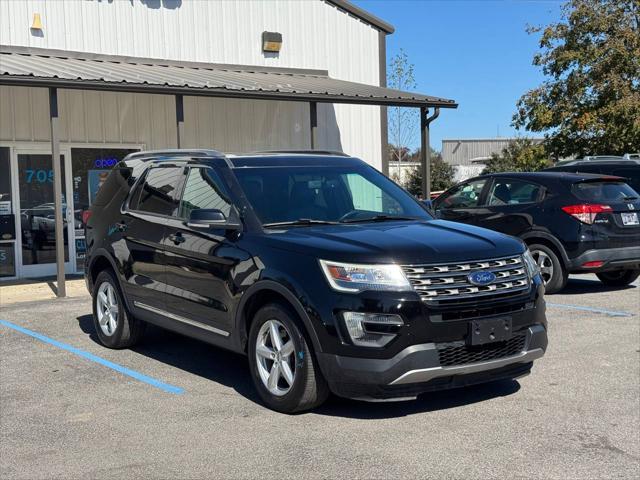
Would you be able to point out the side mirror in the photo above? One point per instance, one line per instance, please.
(206, 218)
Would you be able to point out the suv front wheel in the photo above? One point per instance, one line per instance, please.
(283, 368)
(618, 278)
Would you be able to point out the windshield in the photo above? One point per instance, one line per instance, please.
(325, 194)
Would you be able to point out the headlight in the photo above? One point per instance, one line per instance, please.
(349, 277)
(532, 267)
(371, 329)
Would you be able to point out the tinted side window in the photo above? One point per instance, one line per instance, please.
(204, 189)
(160, 191)
(513, 192)
(465, 195)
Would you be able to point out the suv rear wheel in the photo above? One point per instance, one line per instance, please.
(618, 278)
(116, 328)
(283, 368)
(551, 269)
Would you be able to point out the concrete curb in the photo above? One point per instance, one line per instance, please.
(39, 290)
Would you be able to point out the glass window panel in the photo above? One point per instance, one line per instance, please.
(91, 166)
(331, 194)
(161, 190)
(35, 182)
(513, 192)
(465, 195)
(7, 222)
(7, 260)
(204, 189)
(5, 182)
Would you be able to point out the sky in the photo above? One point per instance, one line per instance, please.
(476, 52)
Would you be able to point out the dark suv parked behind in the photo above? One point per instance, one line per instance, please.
(572, 222)
(325, 273)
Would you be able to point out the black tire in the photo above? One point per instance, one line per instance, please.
(309, 388)
(618, 278)
(128, 330)
(559, 275)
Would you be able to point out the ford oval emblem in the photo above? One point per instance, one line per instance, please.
(481, 278)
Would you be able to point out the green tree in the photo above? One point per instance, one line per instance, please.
(590, 101)
(520, 155)
(441, 174)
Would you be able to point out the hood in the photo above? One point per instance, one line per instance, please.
(403, 242)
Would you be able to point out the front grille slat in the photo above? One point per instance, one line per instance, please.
(416, 272)
(461, 354)
(421, 284)
(448, 282)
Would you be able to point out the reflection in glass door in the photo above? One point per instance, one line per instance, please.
(37, 219)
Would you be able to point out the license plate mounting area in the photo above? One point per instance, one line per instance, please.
(489, 330)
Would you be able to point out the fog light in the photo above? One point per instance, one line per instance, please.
(371, 329)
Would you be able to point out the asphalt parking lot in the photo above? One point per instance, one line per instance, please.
(192, 412)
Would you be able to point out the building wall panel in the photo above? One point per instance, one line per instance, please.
(231, 125)
(316, 35)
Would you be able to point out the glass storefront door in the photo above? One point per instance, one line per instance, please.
(37, 220)
(7, 218)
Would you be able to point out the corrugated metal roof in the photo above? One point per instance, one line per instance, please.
(42, 67)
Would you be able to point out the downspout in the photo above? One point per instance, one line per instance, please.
(425, 149)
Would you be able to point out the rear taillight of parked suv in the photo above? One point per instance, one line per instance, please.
(586, 212)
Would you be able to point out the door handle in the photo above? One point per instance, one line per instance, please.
(177, 238)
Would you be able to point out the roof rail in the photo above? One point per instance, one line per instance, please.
(307, 152)
(176, 152)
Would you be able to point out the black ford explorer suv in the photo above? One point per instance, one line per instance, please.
(324, 272)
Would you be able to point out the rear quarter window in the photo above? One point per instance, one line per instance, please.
(115, 185)
(603, 191)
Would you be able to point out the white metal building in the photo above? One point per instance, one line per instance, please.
(473, 151)
(96, 80)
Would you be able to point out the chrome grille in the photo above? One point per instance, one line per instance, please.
(448, 281)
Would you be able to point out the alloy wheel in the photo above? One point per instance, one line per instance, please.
(274, 357)
(107, 308)
(545, 264)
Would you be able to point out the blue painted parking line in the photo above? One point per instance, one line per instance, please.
(611, 313)
(94, 358)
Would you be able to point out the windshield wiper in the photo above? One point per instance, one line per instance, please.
(380, 218)
(301, 222)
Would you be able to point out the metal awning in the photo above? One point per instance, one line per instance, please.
(35, 67)
(57, 69)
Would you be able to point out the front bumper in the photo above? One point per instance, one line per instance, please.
(417, 369)
(613, 258)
